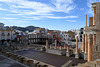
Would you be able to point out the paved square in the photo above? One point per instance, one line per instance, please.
(6, 62)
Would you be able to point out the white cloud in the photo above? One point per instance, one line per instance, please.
(37, 7)
(89, 5)
(81, 9)
(63, 5)
(8, 18)
(0, 4)
(17, 21)
(34, 18)
(57, 17)
(51, 17)
(71, 20)
(40, 8)
(23, 21)
(3, 9)
(12, 22)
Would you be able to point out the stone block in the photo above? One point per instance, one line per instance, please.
(85, 56)
(60, 48)
(18, 58)
(67, 54)
(35, 64)
(28, 62)
(76, 55)
(21, 59)
(15, 56)
(98, 63)
(41, 65)
(63, 52)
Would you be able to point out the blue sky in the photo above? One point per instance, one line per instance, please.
(52, 14)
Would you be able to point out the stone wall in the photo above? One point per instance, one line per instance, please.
(59, 52)
(90, 21)
(96, 55)
(98, 24)
(96, 48)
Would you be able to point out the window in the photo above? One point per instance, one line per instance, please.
(64, 39)
(3, 34)
(8, 34)
(66, 35)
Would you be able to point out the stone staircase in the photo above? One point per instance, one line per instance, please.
(95, 63)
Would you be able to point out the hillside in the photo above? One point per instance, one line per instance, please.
(28, 28)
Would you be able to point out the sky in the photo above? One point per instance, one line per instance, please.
(52, 14)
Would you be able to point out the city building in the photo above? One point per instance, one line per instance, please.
(64, 37)
(56, 36)
(5, 34)
(22, 38)
(39, 38)
(19, 39)
(41, 30)
(71, 35)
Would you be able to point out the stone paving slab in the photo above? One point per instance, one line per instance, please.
(7, 62)
(51, 59)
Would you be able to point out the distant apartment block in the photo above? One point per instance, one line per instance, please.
(39, 38)
(64, 37)
(5, 33)
(22, 39)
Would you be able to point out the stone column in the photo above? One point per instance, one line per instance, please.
(94, 16)
(60, 47)
(67, 49)
(83, 43)
(76, 44)
(50, 46)
(81, 46)
(55, 44)
(67, 52)
(47, 44)
(64, 46)
(86, 43)
(89, 48)
(94, 39)
(86, 47)
(76, 53)
(85, 20)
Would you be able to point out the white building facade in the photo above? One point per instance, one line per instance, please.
(5, 34)
(64, 37)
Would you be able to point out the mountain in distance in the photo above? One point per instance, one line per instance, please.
(28, 28)
(31, 28)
